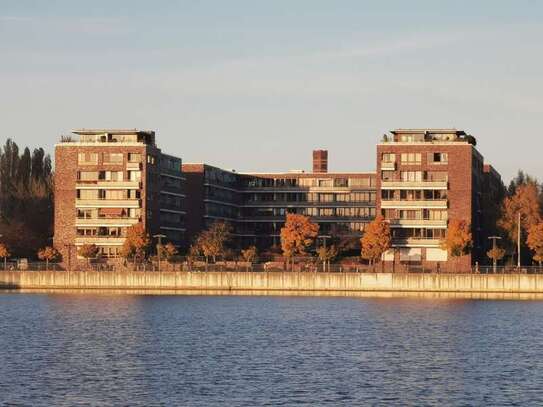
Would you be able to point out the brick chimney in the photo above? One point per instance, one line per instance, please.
(320, 161)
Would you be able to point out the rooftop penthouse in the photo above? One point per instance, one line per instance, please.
(429, 136)
(118, 136)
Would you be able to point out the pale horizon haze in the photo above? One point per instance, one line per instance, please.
(255, 86)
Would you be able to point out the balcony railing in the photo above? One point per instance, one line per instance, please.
(414, 184)
(134, 166)
(99, 240)
(401, 204)
(418, 223)
(108, 203)
(106, 221)
(287, 204)
(388, 165)
(416, 242)
(94, 184)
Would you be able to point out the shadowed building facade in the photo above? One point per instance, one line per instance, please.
(256, 204)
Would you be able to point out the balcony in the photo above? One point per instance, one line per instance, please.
(97, 222)
(414, 185)
(134, 166)
(388, 165)
(416, 242)
(397, 204)
(302, 204)
(108, 184)
(100, 240)
(418, 223)
(108, 203)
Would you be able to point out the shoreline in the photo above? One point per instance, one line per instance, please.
(276, 283)
(425, 295)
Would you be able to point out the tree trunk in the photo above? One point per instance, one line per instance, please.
(46, 264)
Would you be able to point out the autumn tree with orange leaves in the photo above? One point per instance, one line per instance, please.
(297, 235)
(136, 242)
(535, 241)
(376, 239)
(458, 240)
(525, 201)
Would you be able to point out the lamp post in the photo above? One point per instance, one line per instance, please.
(324, 237)
(494, 261)
(159, 247)
(518, 242)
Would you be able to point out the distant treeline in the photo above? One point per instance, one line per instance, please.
(26, 199)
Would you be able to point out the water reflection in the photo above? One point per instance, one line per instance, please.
(101, 348)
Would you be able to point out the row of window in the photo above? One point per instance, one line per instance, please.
(309, 182)
(112, 158)
(415, 214)
(418, 233)
(310, 197)
(314, 212)
(109, 213)
(415, 176)
(413, 195)
(102, 231)
(114, 194)
(132, 175)
(274, 228)
(416, 158)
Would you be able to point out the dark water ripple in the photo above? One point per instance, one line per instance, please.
(78, 350)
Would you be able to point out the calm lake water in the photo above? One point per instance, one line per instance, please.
(99, 349)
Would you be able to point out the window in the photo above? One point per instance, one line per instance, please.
(410, 138)
(360, 182)
(436, 214)
(134, 175)
(410, 195)
(326, 212)
(325, 183)
(113, 158)
(388, 175)
(388, 157)
(151, 159)
(87, 194)
(85, 213)
(410, 158)
(411, 176)
(326, 197)
(387, 194)
(438, 158)
(87, 175)
(87, 158)
(134, 157)
(436, 176)
(341, 182)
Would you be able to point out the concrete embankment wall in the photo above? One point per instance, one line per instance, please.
(274, 281)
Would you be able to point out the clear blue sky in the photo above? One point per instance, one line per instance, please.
(255, 85)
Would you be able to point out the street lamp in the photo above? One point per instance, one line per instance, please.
(324, 237)
(494, 261)
(159, 247)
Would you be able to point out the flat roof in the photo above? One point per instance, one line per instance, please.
(422, 131)
(112, 131)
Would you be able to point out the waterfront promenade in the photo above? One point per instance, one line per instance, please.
(271, 282)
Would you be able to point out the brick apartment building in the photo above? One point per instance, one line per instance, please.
(427, 177)
(111, 179)
(108, 180)
(256, 204)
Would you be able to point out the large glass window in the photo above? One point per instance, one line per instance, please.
(410, 158)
